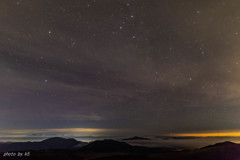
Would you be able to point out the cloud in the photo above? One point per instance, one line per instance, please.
(79, 117)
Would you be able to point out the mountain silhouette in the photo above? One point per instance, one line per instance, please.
(222, 144)
(109, 145)
(116, 150)
(136, 138)
(219, 151)
(51, 143)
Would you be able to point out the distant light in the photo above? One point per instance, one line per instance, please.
(132, 16)
(210, 134)
(45, 80)
(128, 4)
(133, 37)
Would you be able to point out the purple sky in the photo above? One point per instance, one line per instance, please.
(119, 66)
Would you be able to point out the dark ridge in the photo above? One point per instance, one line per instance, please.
(51, 143)
(117, 146)
(221, 144)
(136, 138)
(169, 137)
(60, 141)
(115, 150)
(106, 145)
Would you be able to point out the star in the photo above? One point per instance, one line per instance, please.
(106, 56)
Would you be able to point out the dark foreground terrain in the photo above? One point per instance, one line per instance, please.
(115, 150)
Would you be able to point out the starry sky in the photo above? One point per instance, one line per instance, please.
(119, 66)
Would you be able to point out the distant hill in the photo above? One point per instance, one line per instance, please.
(109, 145)
(115, 150)
(106, 145)
(222, 144)
(136, 138)
(172, 137)
(51, 143)
(219, 151)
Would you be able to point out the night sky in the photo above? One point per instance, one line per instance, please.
(106, 67)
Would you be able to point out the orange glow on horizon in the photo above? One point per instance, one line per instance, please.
(210, 134)
(60, 130)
